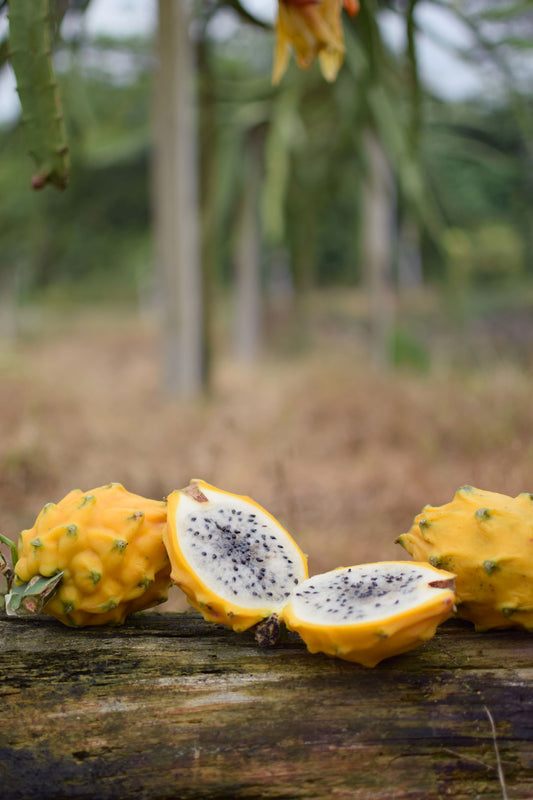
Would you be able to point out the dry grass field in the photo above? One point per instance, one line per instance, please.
(343, 455)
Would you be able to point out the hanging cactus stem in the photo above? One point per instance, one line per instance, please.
(31, 58)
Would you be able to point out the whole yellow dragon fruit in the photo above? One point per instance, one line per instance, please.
(486, 539)
(107, 547)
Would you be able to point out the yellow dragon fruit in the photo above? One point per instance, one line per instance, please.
(106, 549)
(486, 539)
(370, 612)
(240, 568)
(233, 560)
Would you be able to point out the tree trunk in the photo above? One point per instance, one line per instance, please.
(377, 247)
(8, 306)
(176, 206)
(248, 300)
(409, 256)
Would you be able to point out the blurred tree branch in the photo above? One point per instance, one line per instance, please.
(245, 15)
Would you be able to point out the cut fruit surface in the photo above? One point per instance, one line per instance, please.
(369, 612)
(234, 561)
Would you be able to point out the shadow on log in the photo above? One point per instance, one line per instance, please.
(169, 706)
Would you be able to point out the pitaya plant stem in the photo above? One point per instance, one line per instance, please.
(268, 632)
(31, 59)
(6, 571)
(12, 549)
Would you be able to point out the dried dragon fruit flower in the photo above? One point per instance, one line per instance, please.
(310, 28)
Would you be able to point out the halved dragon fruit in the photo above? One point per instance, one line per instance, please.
(239, 567)
(234, 561)
(369, 612)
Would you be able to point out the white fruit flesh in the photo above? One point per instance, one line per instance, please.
(362, 593)
(238, 551)
(234, 561)
(370, 612)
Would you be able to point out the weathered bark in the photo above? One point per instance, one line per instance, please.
(176, 205)
(169, 706)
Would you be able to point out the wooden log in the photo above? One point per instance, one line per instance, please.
(169, 706)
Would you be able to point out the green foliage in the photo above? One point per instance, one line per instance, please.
(88, 241)
(457, 166)
(489, 255)
(407, 351)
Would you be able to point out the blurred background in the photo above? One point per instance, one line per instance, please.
(319, 295)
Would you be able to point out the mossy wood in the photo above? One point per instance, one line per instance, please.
(170, 706)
